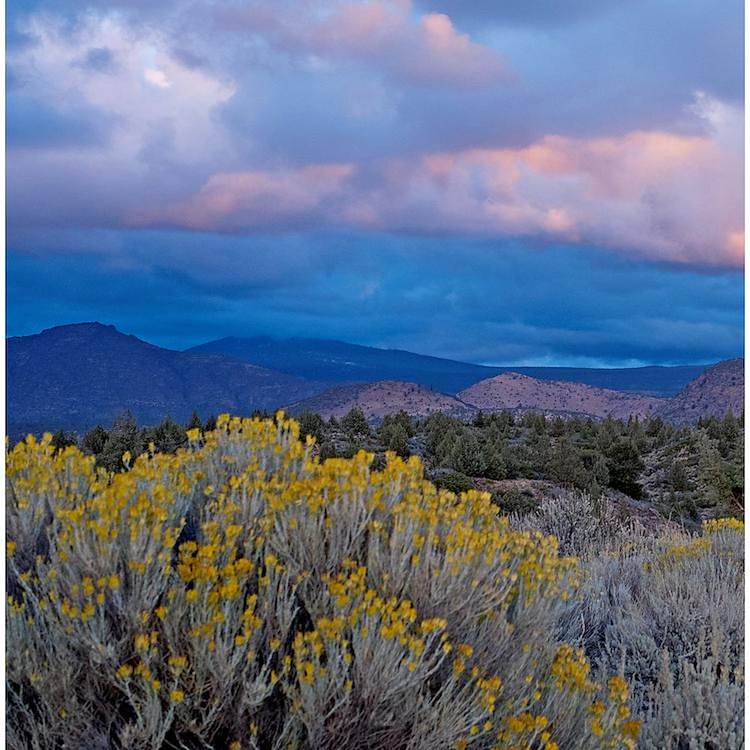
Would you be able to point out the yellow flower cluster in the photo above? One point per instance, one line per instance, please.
(682, 551)
(716, 525)
(527, 730)
(570, 669)
(242, 566)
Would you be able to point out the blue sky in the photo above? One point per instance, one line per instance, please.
(515, 183)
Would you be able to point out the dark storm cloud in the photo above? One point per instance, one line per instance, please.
(539, 14)
(457, 299)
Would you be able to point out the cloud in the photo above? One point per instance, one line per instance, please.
(157, 78)
(426, 50)
(472, 300)
(98, 59)
(383, 116)
(666, 196)
(540, 13)
(59, 103)
(32, 122)
(241, 201)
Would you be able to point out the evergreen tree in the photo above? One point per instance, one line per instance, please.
(397, 440)
(61, 440)
(355, 425)
(327, 450)
(565, 465)
(729, 434)
(678, 478)
(311, 423)
(401, 419)
(557, 427)
(124, 437)
(95, 440)
(624, 464)
(194, 422)
(492, 458)
(394, 432)
(166, 437)
(538, 445)
(466, 457)
(713, 474)
(481, 420)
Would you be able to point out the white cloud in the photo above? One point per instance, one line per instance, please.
(158, 78)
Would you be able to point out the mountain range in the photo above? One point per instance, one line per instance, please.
(75, 376)
(340, 362)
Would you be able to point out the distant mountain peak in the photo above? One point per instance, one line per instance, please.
(79, 375)
(85, 327)
(75, 376)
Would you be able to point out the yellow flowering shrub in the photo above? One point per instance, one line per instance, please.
(716, 525)
(663, 607)
(241, 593)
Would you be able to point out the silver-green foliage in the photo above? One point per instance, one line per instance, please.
(666, 608)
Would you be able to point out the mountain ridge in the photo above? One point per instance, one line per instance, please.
(75, 376)
(329, 360)
(380, 398)
(719, 389)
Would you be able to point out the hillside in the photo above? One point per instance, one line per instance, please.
(713, 393)
(514, 391)
(340, 362)
(75, 376)
(381, 398)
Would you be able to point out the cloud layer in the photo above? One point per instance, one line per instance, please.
(448, 297)
(656, 194)
(161, 135)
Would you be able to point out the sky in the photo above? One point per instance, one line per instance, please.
(537, 183)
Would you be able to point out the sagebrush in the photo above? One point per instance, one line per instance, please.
(243, 594)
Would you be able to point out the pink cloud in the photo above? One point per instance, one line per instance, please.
(674, 197)
(385, 34)
(257, 199)
(652, 193)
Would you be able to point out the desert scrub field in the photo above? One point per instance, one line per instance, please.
(663, 607)
(243, 594)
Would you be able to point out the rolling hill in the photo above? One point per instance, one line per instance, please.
(75, 376)
(713, 393)
(516, 392)
(381, 398)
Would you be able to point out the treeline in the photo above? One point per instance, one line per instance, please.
(680, 469)
(125, 436)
